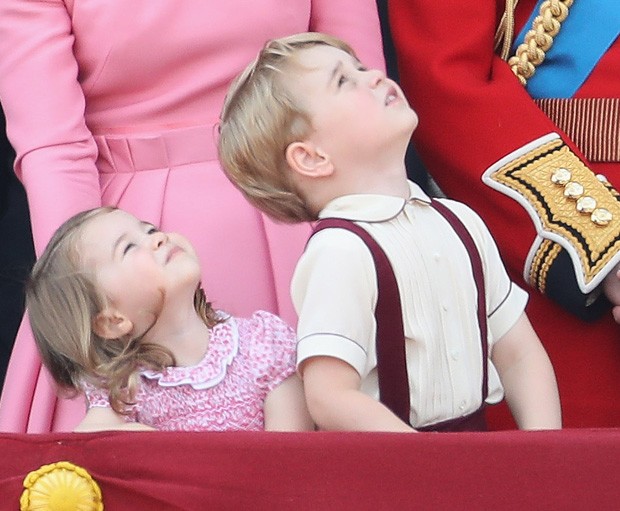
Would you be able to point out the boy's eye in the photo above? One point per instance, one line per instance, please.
(342, 80)
(362, 68)
(152, 230)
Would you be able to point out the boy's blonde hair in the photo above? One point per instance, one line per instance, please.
(63, 300)
(260, 118)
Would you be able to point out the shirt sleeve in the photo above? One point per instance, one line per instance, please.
(505, 300)
(273, 349)
(44, 107)
(96, 397)
(334, 291)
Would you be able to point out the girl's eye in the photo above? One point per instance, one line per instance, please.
(152, 230)
(342, 80)
(128, 247)
(362, 68)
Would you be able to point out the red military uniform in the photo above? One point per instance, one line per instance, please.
(476, 119)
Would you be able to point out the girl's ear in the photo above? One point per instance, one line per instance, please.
(110, 324)
(307, 159)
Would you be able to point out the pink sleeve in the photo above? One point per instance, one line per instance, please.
(44, 107)
(95, 396)
(354, 21)
(99, 398)
(273, 349)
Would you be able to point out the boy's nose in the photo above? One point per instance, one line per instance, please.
(375, 77)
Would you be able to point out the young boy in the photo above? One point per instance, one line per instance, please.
(308, 133)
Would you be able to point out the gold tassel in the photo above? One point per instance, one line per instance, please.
(505, 29)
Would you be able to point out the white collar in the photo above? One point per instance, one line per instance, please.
(370, 207)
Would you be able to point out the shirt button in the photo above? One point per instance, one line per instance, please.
(454, 355)
(462, 405)
(437, 256)
(444, 306)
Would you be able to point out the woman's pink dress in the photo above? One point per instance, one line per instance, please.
(117, 103)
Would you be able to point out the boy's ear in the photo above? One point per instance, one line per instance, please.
(110, 324)
(307, 159)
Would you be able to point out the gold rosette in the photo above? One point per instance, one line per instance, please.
(60, 486)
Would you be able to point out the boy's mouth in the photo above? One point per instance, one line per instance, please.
(391, 96)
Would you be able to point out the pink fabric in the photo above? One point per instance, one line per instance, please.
(116, 103)
(246, 359)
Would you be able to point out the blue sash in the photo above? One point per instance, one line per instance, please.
(587, 33)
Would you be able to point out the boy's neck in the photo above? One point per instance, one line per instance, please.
(390, 181)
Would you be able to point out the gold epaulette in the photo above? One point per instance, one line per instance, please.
(570, 206)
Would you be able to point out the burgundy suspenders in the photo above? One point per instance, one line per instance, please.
(391, 359)
(476, 265)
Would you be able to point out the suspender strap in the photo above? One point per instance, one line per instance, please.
(391, 358)
(390, 341)
(476, 264)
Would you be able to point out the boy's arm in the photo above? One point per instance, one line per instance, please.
(285, 407)
(528, 378)
(334, 290)
(102, 419)
(336, 402)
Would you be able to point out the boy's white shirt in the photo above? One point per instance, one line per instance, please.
(334, 291)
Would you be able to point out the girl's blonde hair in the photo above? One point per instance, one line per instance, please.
(260, 118)
(63, 300)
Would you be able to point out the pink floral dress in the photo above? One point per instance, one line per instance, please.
(246, 359)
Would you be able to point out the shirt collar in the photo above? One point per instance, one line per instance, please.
(371, 207)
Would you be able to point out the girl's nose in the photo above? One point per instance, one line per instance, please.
(159, 238)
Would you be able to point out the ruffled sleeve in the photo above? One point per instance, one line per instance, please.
(272, 349)
(96, 397)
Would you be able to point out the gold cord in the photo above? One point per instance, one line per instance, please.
(505, 30)
(539, 38)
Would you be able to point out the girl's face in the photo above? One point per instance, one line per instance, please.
(141, 270)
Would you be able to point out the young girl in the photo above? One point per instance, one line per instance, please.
(118, 312)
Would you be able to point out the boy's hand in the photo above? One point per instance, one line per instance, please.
(611, 288)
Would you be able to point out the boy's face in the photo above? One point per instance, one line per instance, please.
(140, 269)
(355, 112)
